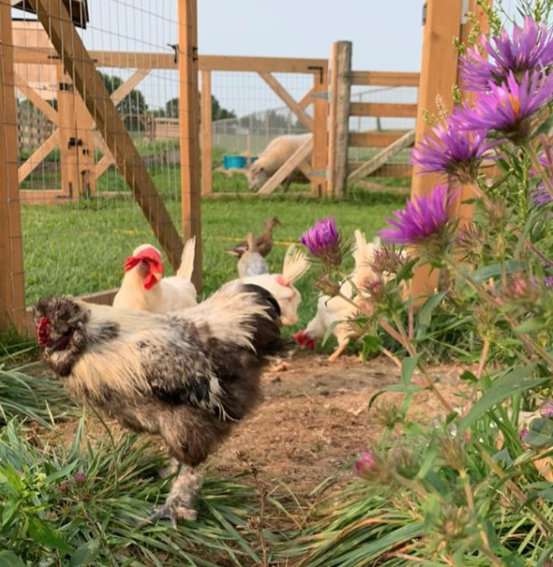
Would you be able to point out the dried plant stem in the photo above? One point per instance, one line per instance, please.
(483, 358)
(391, 356)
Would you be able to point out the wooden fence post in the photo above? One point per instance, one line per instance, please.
(340, 93)
(438, 75)
(319, 162)
(12, 286)
(189, 129)
(207, 143)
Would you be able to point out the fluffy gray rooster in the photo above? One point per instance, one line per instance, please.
(188, 376)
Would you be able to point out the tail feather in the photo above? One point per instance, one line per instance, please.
(295, 264)
(363, 252)
(187, 260)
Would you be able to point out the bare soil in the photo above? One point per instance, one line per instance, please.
(314, 419)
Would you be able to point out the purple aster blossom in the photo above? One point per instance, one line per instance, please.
(547, 409)
(529, 48)
(366, 465)
(507, 107)
(323, 241)
(421, 219)
(80, 477)
(541, 195)
(452, 151)
(548, 281)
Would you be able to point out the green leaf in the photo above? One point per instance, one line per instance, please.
(371, 345)
(330, 330)
(540, 433)
(531, 325)
(42, 533)
(85, 554)
(408, 367)
(406, 273)
(494, 270)
(424, 316)
(468, 376)
(513, 382)
(9, 559)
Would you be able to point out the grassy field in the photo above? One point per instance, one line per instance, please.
(80, 248)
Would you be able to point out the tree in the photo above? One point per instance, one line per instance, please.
(134, 105)
(217, 111)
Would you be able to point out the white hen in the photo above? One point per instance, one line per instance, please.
(332, 310)
(143, 288)
(281, 285)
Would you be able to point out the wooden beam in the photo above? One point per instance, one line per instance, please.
(438, 75)
(41, 196)
(374, 139)
(288, 167)
(382, 157)
(87, 81)
(189, 129)
(85, 149)
(340, 94)
(133, 81)
(69, 161)
(383, 109)
(320, 135)
(288, 100)
(12, 284)
(400, 170)
(38, 156)
(144, 60)
(385, 78)
(307, 98)
(47, 109)
(207, 145)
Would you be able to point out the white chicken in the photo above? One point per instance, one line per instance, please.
(337, 310)
(144, 289)
(281, 285)
(252, 263)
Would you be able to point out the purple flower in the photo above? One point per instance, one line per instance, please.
(452, 151)
(80, 477)
(323, 241)
(548, 281)
(547, 409)
(541, 195)
(366, 465)
(507, 106)
(422, 218)
(529, 48)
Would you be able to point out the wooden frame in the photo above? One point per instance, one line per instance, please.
(12, 286)
(87, 81)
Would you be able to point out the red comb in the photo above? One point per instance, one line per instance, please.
(43, 331)
(155, 264)
(304, 339)
(282, 281)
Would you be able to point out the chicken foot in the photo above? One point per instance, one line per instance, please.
(180, 501)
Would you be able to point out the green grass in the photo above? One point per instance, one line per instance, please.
(79, 248)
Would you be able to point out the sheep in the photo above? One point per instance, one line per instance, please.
(273, 157)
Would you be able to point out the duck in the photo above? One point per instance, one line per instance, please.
(264, 241)
(252, 263)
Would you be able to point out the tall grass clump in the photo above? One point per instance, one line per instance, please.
(473, 488)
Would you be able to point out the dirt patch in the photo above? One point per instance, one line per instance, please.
(314, 418)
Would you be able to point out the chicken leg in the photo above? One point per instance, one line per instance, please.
(180, 503)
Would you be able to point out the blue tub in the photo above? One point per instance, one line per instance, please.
(236, 162)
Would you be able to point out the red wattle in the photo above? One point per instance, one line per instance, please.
(155, 265)
(43, 331)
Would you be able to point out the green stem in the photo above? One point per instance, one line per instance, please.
(531, 153)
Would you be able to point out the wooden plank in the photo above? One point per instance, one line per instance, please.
(133, 81)
(206, 124)
(402, 170)
(382, 157)
(307, 98)
(189, 130)
(340, 95)
(69, 159)
(374, 139)
(85, 149)
(385, 78)
(47, 109)
(383, 109)
(12, 285)
(38, 156)
(438, 74)
(145, 60)
(257, 196)
(320, 135)
(42, 196)
(87, 81)
(287, 167)
(288, 100)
